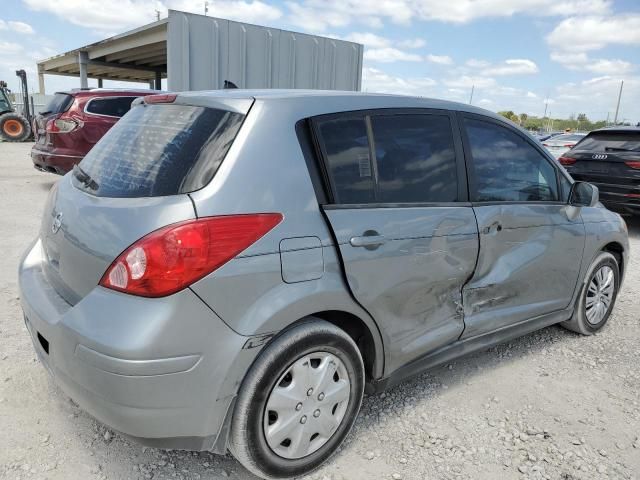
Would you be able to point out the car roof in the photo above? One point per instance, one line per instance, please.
(618, 129)
(108, 91)
(359, 99)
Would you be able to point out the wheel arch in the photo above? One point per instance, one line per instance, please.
(617, 250)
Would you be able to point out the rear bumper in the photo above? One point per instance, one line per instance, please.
(163, 371)
(53, 162)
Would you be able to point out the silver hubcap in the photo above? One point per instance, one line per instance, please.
(599, 295)
(306, 405)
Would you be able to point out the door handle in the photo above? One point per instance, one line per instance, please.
(493, 228)
(369, 242)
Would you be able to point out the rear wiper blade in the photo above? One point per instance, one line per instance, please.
(618, 149)
(84, 178)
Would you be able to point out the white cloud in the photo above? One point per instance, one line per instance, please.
(412, 43)
(120, 15)
(9, 48)
(467, 81)
(581, 61)
(512, 66)
(582, 34)
(440, 59)
(368, 39)
(531, 95)
(317, 15)
(475, 63)
(390, 54)
(19, 27)
(375, 80)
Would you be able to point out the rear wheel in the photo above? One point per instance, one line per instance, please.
(298, 402)
(14, 128)
(597, 297)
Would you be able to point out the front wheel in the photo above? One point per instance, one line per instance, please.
(597, 296)
(298, 401)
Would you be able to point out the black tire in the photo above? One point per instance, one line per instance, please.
(579, 322)
(248, 442)
(14, 128)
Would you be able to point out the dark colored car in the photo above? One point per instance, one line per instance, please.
(73, 122)
(610, 159)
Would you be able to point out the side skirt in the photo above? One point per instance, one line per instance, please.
(464, 347)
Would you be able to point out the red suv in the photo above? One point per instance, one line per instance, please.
(73, 122)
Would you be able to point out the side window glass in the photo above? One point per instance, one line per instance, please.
(114, 107)
(346, 147)
(415, 158)
(506, 168)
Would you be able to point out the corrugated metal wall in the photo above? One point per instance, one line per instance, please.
(203, 52)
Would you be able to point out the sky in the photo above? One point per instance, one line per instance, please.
(522, 55)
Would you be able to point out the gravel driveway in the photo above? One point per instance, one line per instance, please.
(549, 405)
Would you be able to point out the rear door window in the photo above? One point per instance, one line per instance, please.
(611, 142)
(349, 164)
(158, 150)
(506, 168)
(415, 158)
(389, 158)
(110, 106)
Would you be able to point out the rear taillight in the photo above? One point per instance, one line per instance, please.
(160, 98)
(569, 145)
(61, 125)
(172, 258)
(635, 164)
(566, 161)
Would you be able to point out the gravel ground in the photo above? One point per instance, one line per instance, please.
(550, 405)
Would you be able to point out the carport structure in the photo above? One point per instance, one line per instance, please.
(196, 52)
(139, 55)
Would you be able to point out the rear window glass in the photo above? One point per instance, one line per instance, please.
(611, 142)
(111, 106)
(58, 104)
(158, 150)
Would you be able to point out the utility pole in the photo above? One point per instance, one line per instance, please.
(206, 8)
(546, 105)
(606, 124)
(471, 97)
(157, 15)
(615, 119)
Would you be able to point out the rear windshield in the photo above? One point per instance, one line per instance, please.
(110, 106)
(158, 150)
(611, 142)
(58, 104)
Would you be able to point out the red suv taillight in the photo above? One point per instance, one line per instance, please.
(172, 258)
(61, 125)
(635, 164)
(566, 161)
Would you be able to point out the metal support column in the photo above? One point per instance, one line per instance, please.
(99, 83)
(83, 59)
(40, 80)
(158, 80)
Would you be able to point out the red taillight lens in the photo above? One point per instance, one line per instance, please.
(160, 98)
(566, 161)
(633, 164)
(174, 257)
(61, 125)
(570, 145)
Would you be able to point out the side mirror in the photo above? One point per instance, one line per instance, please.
(583, 194)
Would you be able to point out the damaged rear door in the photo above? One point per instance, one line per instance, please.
(407, 237)
(531, 241)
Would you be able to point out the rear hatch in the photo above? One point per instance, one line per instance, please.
(59, 104)
(135, 180)
(610, 160)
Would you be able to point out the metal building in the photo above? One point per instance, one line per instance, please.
(196, 52)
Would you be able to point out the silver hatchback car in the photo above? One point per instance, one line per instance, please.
(232, 270)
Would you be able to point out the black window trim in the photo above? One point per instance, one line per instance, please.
(365, 115)
(106, 97)
(461, 116)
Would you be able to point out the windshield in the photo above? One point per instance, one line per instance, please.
(611, 141)
(158, 150)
